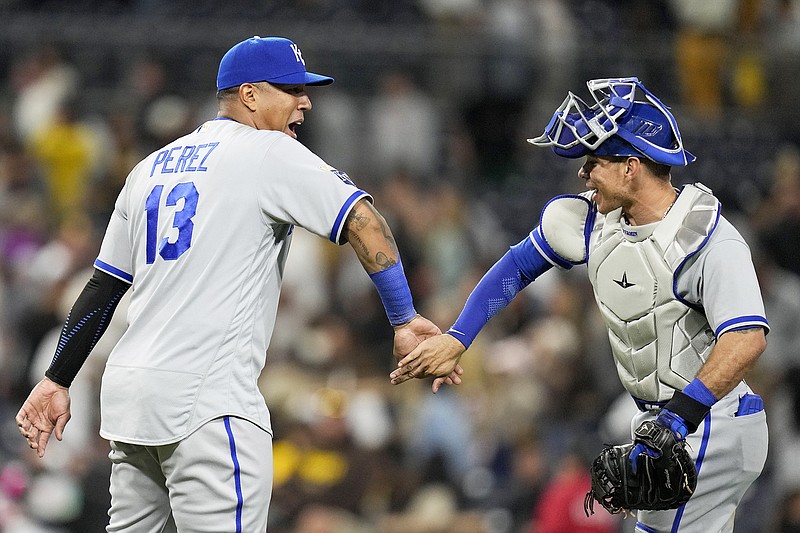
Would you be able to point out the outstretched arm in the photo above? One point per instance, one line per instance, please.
(47, 409)
(496, 289)
(371, 238)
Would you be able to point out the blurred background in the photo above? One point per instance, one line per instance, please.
(430, 111)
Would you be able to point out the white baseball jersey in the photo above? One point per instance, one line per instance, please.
(202, 230)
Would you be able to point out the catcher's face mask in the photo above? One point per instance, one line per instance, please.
(616, 124)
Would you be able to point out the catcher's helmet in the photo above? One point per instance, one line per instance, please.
(617, 124)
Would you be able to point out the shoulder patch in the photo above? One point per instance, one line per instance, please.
(338, 173)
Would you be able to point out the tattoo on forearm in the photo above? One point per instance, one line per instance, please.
(381, 258)
(355, 239)
(354, 223)
(384, 260)
(357, 221)
(387, 232)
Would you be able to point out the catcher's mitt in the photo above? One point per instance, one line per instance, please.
(664, 476)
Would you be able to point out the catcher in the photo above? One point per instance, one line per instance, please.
(675, 284)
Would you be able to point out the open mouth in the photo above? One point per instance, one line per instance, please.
(293, 128)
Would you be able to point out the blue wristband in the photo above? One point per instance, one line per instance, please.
(395, 294)
(687, 408)
(674, 422)
(697, 390)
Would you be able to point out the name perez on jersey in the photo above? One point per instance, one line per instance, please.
(189, 158)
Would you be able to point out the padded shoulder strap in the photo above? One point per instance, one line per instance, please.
(564, 229)
(688, 225)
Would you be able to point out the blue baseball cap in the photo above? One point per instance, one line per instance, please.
(273, 59)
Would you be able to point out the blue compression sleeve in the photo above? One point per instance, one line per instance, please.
(513, 272)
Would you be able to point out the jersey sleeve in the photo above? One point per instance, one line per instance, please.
(302, 189)
(723, 282)
(115, 257)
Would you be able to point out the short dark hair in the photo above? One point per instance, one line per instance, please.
(230, 92)
(659, 170)
(224, 94)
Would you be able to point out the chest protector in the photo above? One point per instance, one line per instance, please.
(658, 341)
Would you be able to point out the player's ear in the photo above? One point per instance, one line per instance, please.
(632, 165)
(247, 95)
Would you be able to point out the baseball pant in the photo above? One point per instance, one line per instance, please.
(216, 480)
(730, 449)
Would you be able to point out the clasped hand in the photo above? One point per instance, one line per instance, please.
(437, 356)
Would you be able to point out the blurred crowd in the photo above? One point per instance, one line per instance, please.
(438, 138)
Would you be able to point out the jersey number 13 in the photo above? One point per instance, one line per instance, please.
(182, 221)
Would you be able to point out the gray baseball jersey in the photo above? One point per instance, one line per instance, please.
(202, 230)
(717, 277)
(667, 291)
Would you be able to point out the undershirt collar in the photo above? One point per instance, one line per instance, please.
(637, 233)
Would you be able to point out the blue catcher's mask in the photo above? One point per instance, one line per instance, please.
(616, 125)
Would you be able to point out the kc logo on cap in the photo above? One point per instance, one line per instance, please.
(273, 59)
(298, 54)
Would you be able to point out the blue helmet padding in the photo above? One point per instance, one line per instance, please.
(617, 124)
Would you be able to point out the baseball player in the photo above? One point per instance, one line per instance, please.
(674, 282)
(201, 231)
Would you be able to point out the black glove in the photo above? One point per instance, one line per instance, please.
(654, 472)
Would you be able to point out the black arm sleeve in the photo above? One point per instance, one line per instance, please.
(86, 323)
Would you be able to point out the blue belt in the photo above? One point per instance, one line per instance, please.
(748, 404)
(645, 405)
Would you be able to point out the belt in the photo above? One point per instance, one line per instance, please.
(645, 405)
